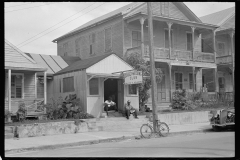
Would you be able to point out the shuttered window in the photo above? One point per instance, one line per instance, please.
(93, 86)
(178, 81)
(136, 38)
(220, 49)
(65, 49)
(16, 86)
(166, 39)
(108, 39)
(77, 46)
(191, 81)
(189, 41)
(92, 44)
(68, 84)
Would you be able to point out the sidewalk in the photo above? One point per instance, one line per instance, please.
(64, 140)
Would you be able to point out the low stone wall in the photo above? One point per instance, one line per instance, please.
(53, 128)
(184, 118)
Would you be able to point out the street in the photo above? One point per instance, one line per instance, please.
(209, 144)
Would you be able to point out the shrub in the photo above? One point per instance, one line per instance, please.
(21, 112)
(180, 101)
(7, 113)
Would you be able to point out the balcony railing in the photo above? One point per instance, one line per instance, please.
(163, 53)
(224, 59)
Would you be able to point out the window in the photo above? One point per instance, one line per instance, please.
(221, 48)
(92, 40)
(191, 81)
(136, 38)
(178, 81)
(189, 41)
(221, 82)
(65, 49)
(108, 39)
(132, 89)
(77, 44)
(93, 86)
(166, 39)
(68, 84)
(60, 87)
(16, 86)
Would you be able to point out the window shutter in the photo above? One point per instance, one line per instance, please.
(108, 39)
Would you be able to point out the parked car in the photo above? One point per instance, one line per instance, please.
(223, 118)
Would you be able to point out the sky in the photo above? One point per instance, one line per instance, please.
(32, 26)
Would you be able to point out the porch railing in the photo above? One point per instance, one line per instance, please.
(224, 59)
(33, 106)
(184, 55)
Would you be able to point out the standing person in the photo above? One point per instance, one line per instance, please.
(129, 109)
(109, 105)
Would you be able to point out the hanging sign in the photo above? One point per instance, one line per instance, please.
(133, 77)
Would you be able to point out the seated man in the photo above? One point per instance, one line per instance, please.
(109, 105)
(130, 110)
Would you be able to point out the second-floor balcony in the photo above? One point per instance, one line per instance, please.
(182, 55)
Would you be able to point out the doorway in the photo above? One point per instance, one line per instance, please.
(111, 89)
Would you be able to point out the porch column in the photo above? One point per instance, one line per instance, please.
(193, 28)
(214, 45)
(170, 79)
(169, 38)
(35, 76)
(193, 70)
(142, 35)
(9, 90)
(45, 87)
(233, 63)
(215, 80)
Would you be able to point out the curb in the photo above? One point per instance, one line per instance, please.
(44, 147)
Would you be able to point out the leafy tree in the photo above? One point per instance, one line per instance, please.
(139, 64)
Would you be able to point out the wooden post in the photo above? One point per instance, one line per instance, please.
(142, 36)
(215, 80)
(9, 90)
(214, 46)
(169, 38)
(35, 85)
(193, 28)
(193, 69)
(45, 87)
(233, 63)
(152, 63)
(170, 78)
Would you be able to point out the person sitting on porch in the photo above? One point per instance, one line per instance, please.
(130, 110)
(109, 105)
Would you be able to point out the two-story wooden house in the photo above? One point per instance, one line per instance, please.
(178, 50)
(225, 48)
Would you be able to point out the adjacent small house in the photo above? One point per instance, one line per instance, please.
(21, 78)
(93, 80)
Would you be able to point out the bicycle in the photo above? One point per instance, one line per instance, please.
(162, 128)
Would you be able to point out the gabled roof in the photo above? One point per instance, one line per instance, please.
(82, 64)
(15, 59)
(101, 18)
(53, 63)
(218, 18)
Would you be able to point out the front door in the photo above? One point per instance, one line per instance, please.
(221, 82)
(161, 89)
(178, 80)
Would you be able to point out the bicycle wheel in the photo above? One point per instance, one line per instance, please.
(146, 131)
(163, 129)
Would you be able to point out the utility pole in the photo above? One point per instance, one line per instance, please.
(152, 64)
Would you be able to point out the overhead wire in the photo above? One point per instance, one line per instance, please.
(30, 7)
(54, 25)
(60, 26)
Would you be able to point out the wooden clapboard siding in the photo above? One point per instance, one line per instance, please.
(40, 89)
(174, 12)
(79, 86)
(99, 31)
(29, 85)
(230, 23)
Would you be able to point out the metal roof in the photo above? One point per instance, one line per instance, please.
(17, 60)
(51, 62)
(218, 18)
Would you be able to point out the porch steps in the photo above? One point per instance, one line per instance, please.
(9, 132)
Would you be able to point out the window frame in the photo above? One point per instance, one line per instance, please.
(92, 42)
(77, 46)
(172, 46)
(105, 38)
(175, 79)
(65, 48)
(64, 90)
(128, 93)
(192, 81)
(191, 48)
(21, 74)
(137, 36)
(95, 95)
(224, 49)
